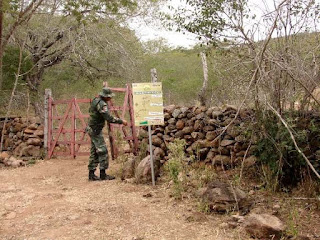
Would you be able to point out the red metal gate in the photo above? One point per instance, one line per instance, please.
(67, 123)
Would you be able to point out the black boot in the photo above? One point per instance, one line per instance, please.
(104, 176)
(92, 176)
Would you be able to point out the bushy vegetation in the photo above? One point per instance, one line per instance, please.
(186, 174)
(281, 164)
(176, 166)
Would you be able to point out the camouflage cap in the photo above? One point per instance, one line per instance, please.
(106, 92)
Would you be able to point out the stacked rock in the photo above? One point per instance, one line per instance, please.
(23, 137)
(10, 161)
(212, 135)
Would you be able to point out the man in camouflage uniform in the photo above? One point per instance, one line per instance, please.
(98, 153)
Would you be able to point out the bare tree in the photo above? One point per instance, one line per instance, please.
(57, 31)
(288, 72)
(21, 16)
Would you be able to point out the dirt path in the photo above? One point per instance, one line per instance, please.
(54, 200)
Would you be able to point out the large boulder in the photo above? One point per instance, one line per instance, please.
(36, 120)
(211, 135)
(225, 143)
(29, 131)
(184, 109)
(172, 121)
(176, 113)
(237, 147)
(33, 126)
(250, 161)
(222, 160)
(142, 134)
(159, 153)
(39, 133)
(210, 156)
(156, 141)
(197, 110)
(208, 128)
(143, 170)
(8, 144)
(233, 131)
(17, 127)
(4, 155)
(179, 134)
(180, 124)
(216, 114)
(264, 226)
(198, 145)
(18, 149)
(187, 130)
(169, 108)
(32, 151)
(202, 153)
(128, 169)
(13, 162)
(166, 116)
(222, 197)
(215, 143)
(34, 141)
(198, 125)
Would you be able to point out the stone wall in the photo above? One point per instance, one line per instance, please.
(23, 137)
(203, 130)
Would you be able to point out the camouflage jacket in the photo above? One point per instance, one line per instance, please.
(99, 113)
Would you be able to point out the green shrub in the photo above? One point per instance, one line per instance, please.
(176, 166)
(281, 163)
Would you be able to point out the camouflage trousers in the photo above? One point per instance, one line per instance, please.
(98, 151)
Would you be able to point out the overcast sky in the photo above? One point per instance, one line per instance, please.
(174, 39)
(154, 31)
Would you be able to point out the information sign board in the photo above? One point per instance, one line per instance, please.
(148, 103)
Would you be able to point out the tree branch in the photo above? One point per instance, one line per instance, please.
(12, 95)
(294, 140)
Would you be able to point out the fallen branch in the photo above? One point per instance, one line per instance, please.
(303, 198)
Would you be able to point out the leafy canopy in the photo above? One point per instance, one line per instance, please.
(210, 19)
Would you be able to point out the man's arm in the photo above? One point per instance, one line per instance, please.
(103, 109)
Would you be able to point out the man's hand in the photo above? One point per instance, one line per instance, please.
(124, 122)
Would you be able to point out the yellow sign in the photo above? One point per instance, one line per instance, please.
(147, 103)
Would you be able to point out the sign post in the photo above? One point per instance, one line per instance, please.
(148, 109)
(151, 156)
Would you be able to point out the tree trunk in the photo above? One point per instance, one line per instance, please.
(33, 81)
(37, 104)
(154, 75)
(202, 93)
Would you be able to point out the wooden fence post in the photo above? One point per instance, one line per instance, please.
(154, 75)
(47, 96)
(73, 128)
